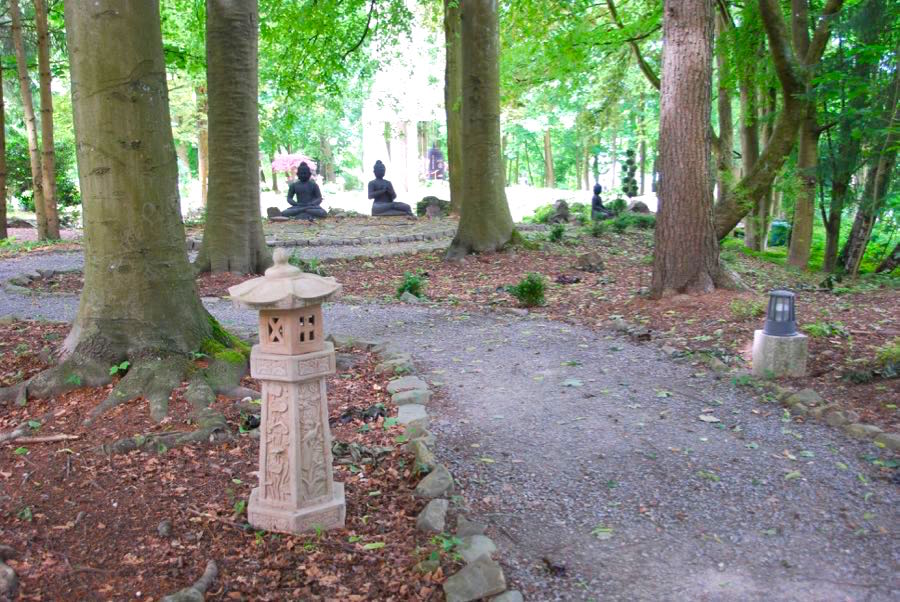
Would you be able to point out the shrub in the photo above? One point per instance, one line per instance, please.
(618, 206)
(744, 309)
(636, 220)
(414, 284)
(557, 231)
(888, 355)
(530, 290)
(598, 229)
(620, 224)
(581, 213)
(310, 266)
(541, 215)
(820, 329)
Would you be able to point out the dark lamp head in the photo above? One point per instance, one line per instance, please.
(781, 316)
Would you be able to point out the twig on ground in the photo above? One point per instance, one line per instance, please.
(45, 438)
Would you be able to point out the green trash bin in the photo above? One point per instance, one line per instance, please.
(779, 233)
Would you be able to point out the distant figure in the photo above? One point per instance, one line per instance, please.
(382, 193)
(598, 211)
(309, 197)
(435, 163)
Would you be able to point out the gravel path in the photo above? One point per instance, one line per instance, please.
(555, 432)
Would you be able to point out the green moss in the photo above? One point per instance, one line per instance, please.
(232, 356)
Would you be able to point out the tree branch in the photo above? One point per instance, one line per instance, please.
(780, 45)
(823, 32)
(365, 33)
(645, 67)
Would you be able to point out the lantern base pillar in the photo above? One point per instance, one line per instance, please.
(775, 356)
(324, 516)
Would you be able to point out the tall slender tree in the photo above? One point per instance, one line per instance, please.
(485, 223)
(3, 231)
(233, 239)
(686, 255)
(453, 101)
(34, 153)
(48, 151)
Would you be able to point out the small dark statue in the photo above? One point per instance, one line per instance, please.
(598, 211)
(309, 197)
(382, 193)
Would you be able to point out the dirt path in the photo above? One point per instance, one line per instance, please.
(586, 453)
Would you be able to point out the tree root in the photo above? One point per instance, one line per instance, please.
(152, 379)
(75, 372)
(9, 582)
(196, 592)
(212, 428)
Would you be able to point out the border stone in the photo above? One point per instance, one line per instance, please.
(860, 430)
(416, 396)
(889, 440)
(479, 579)
(405, 383)
(474, 547)
(433, 516)
(438, 482)
(512, 595)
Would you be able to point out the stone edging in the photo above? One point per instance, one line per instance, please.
(19, 284)
(193, 244)
(482, 577)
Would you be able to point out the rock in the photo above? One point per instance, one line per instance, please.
(669, 350)
(433, 516)
(640, 333)
(425, 437)
(402, 365)
(340, 341)
(345, 361)
(818, 412)
(619, 325)
(408, 297)
(424, 457)
(639, 207)
(716, 364)
(889, 440)
(807, 397)
(406, 383)
(590, 262)
(18, 223)
(467, 528)
(279, 218)
(478, 579)
(273, 212)
(560, 213)
(432, 206)
(9, 582)
(438, 482)
(512, 595)
(860, 430)
(164, 528)
(412, 412)
(417, 396)
(474, 547)
(518, 311)
(836, 418)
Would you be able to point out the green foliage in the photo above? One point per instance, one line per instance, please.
(19, 172)
(745, 309)
(822, 329)
(120, 368)
(888, 355)
(618, 206)
(556, 233)
(520, 240)
(599, 228)
(530, 290)
(541, 215)
(413, 284)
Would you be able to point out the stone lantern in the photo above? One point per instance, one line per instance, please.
(296, 491)
(778, 349)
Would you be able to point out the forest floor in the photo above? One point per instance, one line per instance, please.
(87, 525)
(585, 452)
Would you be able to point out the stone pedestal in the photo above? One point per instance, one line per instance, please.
(779, 356)
(296, 490)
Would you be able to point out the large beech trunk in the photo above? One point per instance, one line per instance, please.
(549, 175)
(203, 145)
(485, 223)
(686, 256)
(34, 154)
(139, 295)
(725, 156)
(805, 199)
(453, 102)
(233, 238)
(48, 168)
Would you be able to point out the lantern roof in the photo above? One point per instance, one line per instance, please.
(283, 287)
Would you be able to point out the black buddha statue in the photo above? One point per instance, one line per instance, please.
(309, 197)
(598, 211)
(382, 193)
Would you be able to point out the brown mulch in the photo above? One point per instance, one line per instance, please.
(208, 285)
(85, 524)
(25, 348)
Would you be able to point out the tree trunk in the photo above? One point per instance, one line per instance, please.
(274, 180)
(3, 191)
(453, 102)
(686, 255)
(48, 169)
(233, 238)
(327, 169)
(202, 144)
(833, 223)
(890, 262)
(549, 175)
(181, 151)
(878, 182)
(485, 223)
(643, 162)
(37, 184)
(528, 166)
(139, 295)
(724, 158)
(754, 233)
(805, 199)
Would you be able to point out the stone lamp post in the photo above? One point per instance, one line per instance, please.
(778, 349)
(296, 491)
